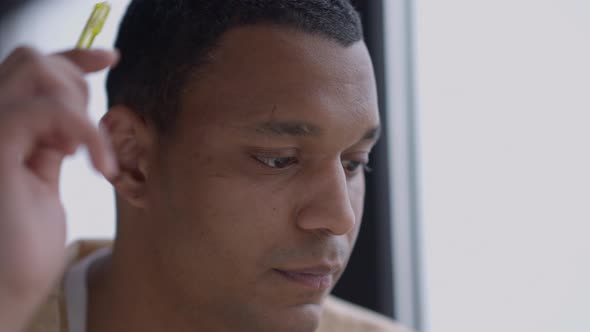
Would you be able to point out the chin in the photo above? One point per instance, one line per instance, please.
(301, 318)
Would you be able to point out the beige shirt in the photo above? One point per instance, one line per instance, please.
(338, 315)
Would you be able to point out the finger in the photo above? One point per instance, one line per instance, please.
(27, 73)
(17, 57)
(47, 125)
(14, 68)
(63, 79)
(91, 60)
(45, 163)
(85, 60)
(46, 77)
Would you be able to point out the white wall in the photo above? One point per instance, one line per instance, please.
(504, 130)
(53, 25)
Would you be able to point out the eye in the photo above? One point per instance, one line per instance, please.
(353, 167)
(277, 162)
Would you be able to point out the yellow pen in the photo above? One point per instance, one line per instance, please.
(94, 25)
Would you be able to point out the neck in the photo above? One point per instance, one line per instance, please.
(125, 293)
(123, 297)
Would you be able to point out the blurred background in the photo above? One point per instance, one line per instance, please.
(487, 106)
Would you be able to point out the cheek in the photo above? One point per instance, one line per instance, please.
(227, 226)
(356, 190)
(228, 214)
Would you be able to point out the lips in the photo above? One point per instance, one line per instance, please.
(319, 278)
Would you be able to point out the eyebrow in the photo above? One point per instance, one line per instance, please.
(287, 128)
(372, 134)
(304, 129)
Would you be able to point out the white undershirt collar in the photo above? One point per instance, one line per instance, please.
(76, 290)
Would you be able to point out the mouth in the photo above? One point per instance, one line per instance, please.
(318, 278)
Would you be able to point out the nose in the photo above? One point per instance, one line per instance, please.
(328, 206)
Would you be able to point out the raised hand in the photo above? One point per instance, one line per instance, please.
(43, 119)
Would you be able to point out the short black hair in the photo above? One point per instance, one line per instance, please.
(162, 41)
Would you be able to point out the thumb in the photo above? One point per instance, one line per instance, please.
(91, 60)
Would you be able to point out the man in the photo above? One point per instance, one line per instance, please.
(240, 131)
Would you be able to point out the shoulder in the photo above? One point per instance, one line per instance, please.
(343, 316)
(50, 316)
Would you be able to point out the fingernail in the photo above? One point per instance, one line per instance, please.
(116, 57)
(117, 54)
(114, 53)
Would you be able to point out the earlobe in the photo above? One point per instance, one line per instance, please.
(132, 142)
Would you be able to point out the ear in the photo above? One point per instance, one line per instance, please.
(133, 142)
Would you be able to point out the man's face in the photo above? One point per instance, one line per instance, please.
(257, 197)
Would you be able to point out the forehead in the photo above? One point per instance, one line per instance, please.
(258, 72)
